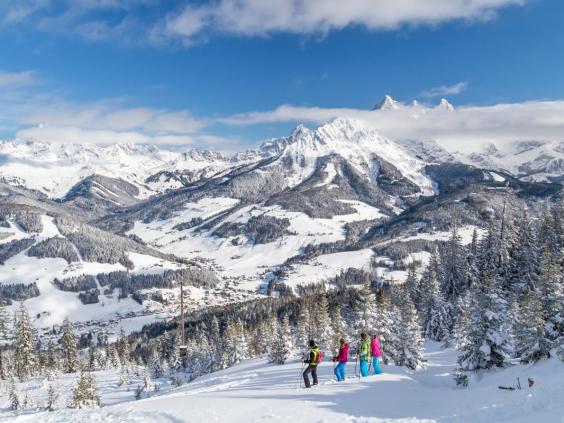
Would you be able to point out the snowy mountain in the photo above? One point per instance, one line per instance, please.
(297, 210)
(55, 168)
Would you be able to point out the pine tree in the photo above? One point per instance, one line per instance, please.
(524, 260)
(551, 296)
(385, 318)
(436, 312)
(282, 345)
(85, 393)
(14, 397)
(409, 351)
(52, 398)
(412, 283)
(366, 309)
(52, 361)
(24, 351)
(215, 339)
(322, 323)
(454, 280)
(156, 365)
(338, 327)
(3, 322)
(305, 324)
(123, 348)
(69, 348)
(487, 337)
(532, 343)
(124, 378)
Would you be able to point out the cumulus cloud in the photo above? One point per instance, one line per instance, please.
(258, 17)
(445, 90)
(464, 129)
(189, 22)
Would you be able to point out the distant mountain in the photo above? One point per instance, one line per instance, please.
(55, 168)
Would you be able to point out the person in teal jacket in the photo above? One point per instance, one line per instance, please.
(364, 354)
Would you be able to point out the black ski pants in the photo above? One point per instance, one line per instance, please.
(313, 370)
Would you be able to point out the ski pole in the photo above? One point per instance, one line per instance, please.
(301, 376)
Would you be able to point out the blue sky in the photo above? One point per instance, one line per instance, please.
(177, 71)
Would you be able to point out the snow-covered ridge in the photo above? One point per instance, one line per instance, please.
(55, 168)
(351, 139)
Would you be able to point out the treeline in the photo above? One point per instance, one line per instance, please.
(129, 283)
(12, 248)
(55, 247)
(17, 292)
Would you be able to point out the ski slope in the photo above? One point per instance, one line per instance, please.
(255, 391)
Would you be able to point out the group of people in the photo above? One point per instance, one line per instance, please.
(369, 354)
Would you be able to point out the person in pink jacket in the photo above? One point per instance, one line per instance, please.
(341, 360)
(376, 354)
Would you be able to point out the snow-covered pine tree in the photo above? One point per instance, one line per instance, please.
(156, 364)
(3, 322)
(215, 340)
(436, 312)
(282, 345)
(53, 359)
(367, 313)
(338, 327)
(454, 279)
(69, 348)
(124, 378)
(305, 324)
(112, 357)
(14, 397)
(85, 393)
(322, 323)
(461, 327)
(123, 348)
(532, 342)
(237, 342)
(523, 266)
(263, 338)
(52, 398)
(24, 351)
(407, 328)
(551, 296)
(385, 318)
(413, 286)
(487, 338)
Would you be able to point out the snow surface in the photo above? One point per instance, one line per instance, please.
(55, 168)
(52, 306)
(250, 260)
(255, 391)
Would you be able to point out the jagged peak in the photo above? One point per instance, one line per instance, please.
(445, 105)
(387, 103)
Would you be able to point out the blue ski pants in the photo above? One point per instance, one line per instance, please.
(340, 372)
(363, 368)
(376, 365)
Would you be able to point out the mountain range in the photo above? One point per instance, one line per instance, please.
(105, 233)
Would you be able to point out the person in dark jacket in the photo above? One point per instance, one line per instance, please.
(341, 360)
(312, 362)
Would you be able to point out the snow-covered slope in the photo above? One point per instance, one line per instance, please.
(360, 145)
(255, 391)
(532, 161)
(55, 168)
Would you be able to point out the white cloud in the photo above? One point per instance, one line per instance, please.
(259, 17)
(11, 80)
(465, 128)
(186, 21)
(71, 134)
(445, 90)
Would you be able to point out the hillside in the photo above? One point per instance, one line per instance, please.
(257, 391)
